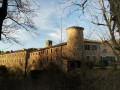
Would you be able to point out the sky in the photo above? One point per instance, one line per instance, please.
(50, 18)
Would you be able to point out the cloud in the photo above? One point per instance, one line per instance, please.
(55, 35)
(49, 16)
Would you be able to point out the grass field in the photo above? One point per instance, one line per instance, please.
(54, 79)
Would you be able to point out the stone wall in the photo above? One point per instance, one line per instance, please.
(13, 59)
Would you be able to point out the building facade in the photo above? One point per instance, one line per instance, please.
(67, 55)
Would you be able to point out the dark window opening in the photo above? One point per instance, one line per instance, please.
(87, 47)
(88, 57)
(47, 52)
(110, 58)
(51, 50)
(94, 47)
(79, 64)
(72, 65)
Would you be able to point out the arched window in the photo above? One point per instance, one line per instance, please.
(51, 50)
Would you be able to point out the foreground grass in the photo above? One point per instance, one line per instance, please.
(53, 79)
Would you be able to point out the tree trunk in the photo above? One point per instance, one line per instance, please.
(3, 14)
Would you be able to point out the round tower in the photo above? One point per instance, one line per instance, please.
(75, 43)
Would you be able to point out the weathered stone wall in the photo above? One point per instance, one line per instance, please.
(46, 56)
(13, 59)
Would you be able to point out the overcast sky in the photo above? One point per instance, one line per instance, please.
(48, 23)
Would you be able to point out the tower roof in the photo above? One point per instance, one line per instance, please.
(75, 27)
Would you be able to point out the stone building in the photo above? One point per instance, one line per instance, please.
(67, 55)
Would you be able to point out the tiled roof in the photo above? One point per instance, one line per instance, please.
(94, 41)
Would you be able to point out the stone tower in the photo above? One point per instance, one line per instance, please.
(48, 43)
(75, 43)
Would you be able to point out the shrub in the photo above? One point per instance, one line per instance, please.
(90, 64)
(3, 71)
(115, 65)
(103, 64)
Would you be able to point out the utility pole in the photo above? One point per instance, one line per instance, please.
(61, 36)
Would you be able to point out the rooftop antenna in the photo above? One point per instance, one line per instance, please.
(61, 29)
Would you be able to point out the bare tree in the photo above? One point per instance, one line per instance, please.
(15, 15)
(103, 13)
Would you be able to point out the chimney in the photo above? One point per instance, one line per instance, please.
(48, 43)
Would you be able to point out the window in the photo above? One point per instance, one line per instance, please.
(110, 58)
(51, 50)
(72, 65)
(79, 64)
(46, 51)
(94, 47)
(88, 57)
(87, 47)
(102, 58)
